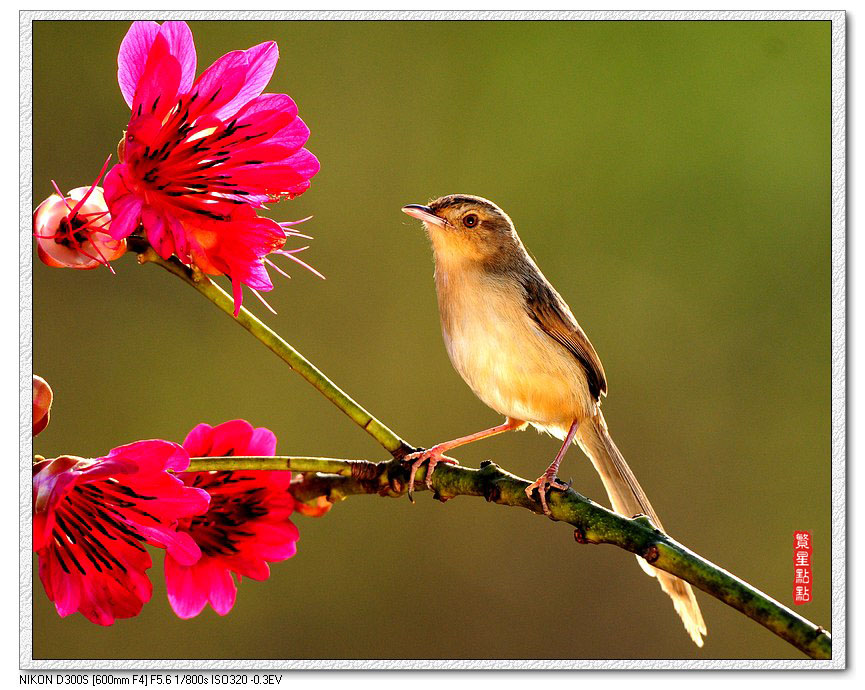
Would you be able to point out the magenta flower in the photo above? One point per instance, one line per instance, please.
(200, 155)
(246, 525)
(71, 230)
(91, 518)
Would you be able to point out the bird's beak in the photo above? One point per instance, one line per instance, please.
(424, 213)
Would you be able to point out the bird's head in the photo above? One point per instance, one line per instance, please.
(466, 228)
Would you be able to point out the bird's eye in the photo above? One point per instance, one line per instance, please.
(470, 220)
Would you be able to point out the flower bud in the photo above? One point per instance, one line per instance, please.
(42, 397)
(315, 508)
(72, 230)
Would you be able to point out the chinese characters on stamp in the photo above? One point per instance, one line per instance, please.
(802, 550)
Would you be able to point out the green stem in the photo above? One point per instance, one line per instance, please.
(345, 468)
(360, 416)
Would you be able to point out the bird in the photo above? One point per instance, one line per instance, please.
(515, 342)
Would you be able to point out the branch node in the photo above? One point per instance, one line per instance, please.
(396, 486)
(403, 450)
(363, 470)
(492, 492)
(147, 256)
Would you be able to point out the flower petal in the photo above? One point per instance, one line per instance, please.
(182, 47)
(133, 56)
(115, 183)
(222, 591)
(148, 456)
(185, 594)
(260, 62)
(262, 442)
(178, 234)
(278, 177)
(218, 84)
(179, 545)
(267, 102)
(157, 232)
(125, 216)
(198, 442)
(293, 136)
(156, 92)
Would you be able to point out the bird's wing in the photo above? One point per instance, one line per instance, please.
(548, 310)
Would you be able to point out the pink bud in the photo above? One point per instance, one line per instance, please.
(42, 397)
(72, 230)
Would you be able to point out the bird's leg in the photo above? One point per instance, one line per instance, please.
(436, 454)
(548, 478)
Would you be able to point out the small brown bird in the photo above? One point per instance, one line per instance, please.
(517, 345)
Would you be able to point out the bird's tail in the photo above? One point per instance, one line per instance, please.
(629, 499)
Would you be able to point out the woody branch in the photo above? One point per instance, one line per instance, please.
(593, 524)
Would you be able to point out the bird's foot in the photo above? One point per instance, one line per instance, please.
(543, 484)
(434, 456)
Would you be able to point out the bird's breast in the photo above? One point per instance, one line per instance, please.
(509, 363)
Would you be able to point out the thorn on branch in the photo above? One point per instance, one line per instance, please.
(196, 274)
(646, 521)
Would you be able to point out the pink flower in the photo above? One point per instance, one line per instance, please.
(200, 155)
(42, 398)
(246, 525)
(72, 231)
(90, 518)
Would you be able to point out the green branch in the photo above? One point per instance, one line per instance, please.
(593, 524)
(279, 462)
(360, 416)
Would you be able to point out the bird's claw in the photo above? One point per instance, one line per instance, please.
(543, 484)
(434, 457)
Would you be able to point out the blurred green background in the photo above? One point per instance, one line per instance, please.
(672, 180)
